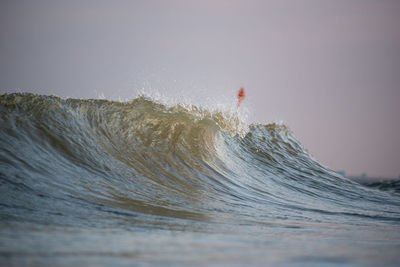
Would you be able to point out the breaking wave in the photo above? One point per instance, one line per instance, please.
(142, 163)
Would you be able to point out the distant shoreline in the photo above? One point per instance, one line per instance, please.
(369, 180)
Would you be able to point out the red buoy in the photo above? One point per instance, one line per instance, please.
(241, 96)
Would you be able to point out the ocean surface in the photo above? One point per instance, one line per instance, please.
(98, 182)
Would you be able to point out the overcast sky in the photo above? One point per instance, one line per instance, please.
(330, 70)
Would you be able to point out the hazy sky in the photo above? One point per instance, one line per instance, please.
(330, 70)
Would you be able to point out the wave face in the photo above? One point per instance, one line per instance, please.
(98, 164)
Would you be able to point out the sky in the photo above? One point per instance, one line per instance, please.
(330, 70)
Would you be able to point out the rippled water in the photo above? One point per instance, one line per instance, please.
(107, 183)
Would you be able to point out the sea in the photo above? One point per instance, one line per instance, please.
(89, 182)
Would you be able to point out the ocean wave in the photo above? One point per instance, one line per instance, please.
(69, 161)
